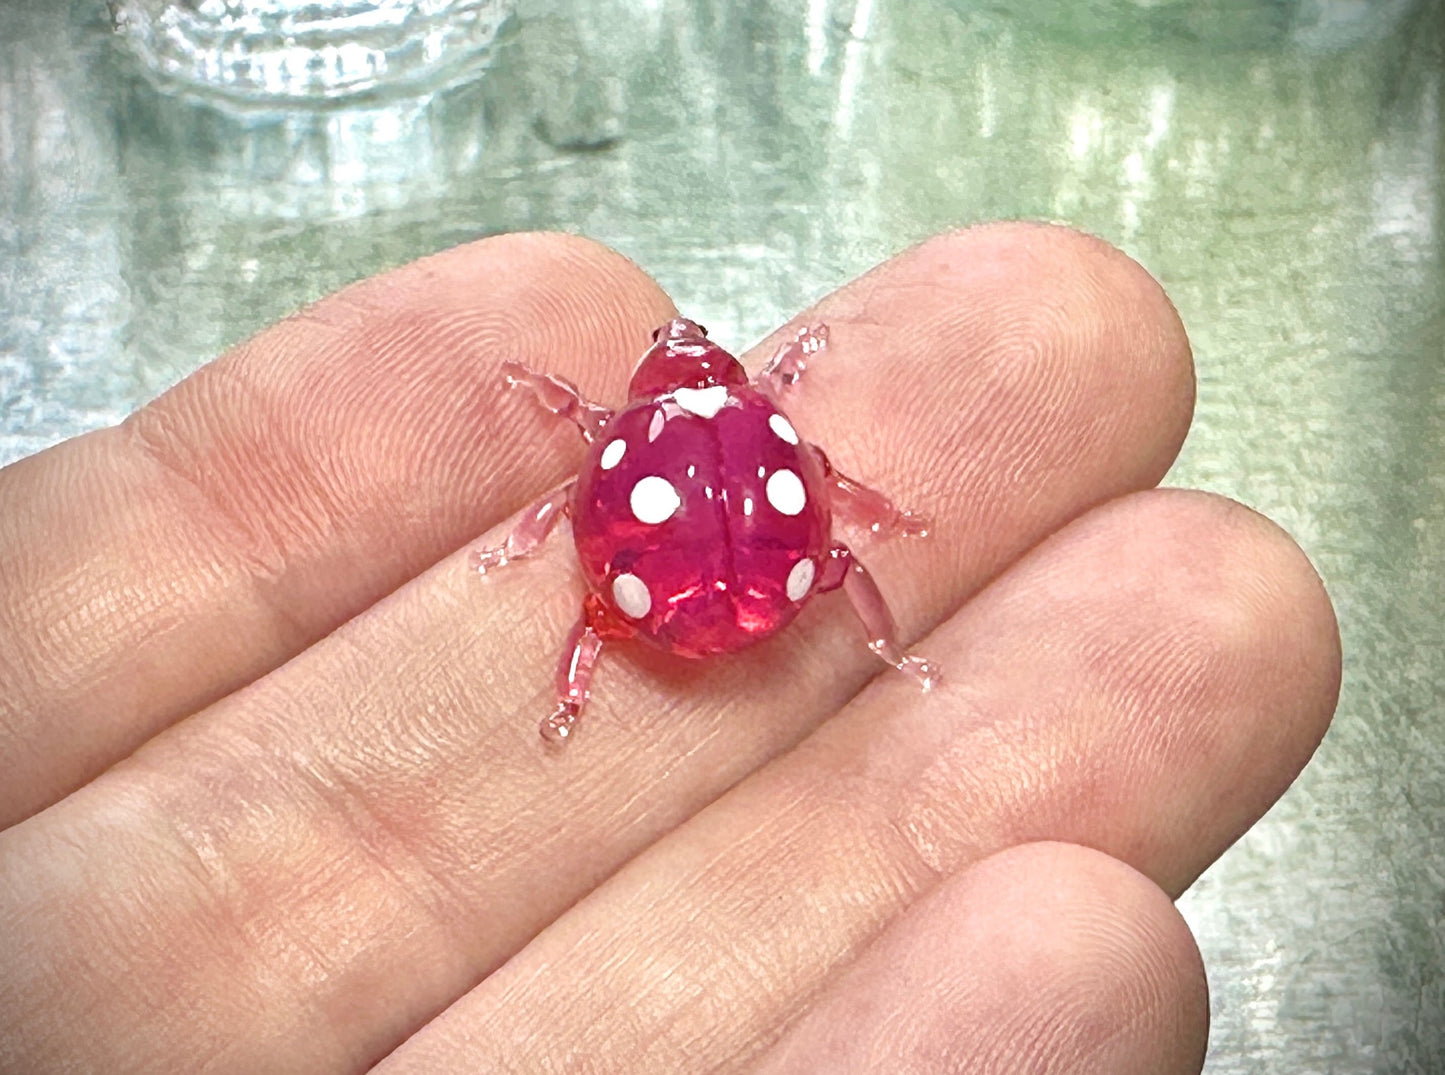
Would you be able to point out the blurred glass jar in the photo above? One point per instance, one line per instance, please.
(277, 51)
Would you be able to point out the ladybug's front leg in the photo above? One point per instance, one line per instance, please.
(790, 360)
(843, 569)
(560, 396)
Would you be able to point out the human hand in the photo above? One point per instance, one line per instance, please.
(340, 831)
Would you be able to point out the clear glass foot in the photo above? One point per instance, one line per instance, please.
(919, 669)
(868, 509)
(843, 569)
(557, 729)
(535, 524)
(489, 559)
(791, 359)
(574, 680)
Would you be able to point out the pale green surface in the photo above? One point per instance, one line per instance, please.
(1282, 176)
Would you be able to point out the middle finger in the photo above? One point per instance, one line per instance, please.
(299, 876)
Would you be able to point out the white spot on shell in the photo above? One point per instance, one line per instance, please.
(785, 492)
(703, 402)
(654, 500)
(613, 453)
(783, 428)
(631, 596)
(800, 579)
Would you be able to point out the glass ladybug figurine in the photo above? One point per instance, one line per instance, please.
(703, 522)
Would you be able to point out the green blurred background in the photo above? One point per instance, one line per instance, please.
(1278, 165)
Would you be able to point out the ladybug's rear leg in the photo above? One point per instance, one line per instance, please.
(535, 524)
(596, 625)
(790, 360)
(842, 569)
(560, 396)
(574, 680)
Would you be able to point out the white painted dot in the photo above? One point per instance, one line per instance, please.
(785, 492)
(654, 500)
(613, 453)
(783, 428)
(800, 579)
(631, 596)
(703, 402)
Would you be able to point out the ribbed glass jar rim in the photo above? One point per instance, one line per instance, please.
(275, 51)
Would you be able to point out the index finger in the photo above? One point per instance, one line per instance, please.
(148, 569)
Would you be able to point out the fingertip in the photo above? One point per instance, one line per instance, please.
(1252, 598)
(1045, 957)
(1086, 292)
(1218, 652)
(1107, 942)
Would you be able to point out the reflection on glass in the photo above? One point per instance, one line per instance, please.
(269, 50)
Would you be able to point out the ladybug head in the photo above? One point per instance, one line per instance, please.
(682, 356)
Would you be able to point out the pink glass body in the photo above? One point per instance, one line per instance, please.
(703, 500)
(702, 520)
